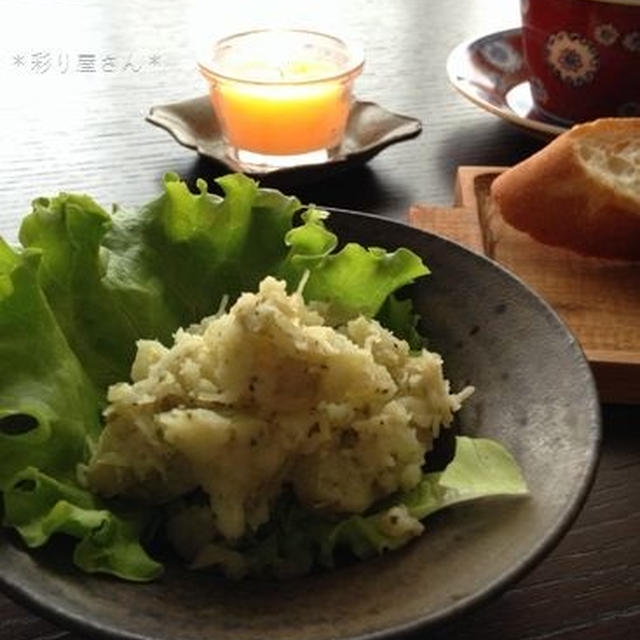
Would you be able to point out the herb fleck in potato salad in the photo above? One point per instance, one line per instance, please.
(219, 379)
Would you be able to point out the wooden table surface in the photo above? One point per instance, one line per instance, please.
(77, 81)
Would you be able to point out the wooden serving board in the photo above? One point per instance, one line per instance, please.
(598, 299)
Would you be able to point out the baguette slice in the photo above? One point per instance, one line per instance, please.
(581, 191)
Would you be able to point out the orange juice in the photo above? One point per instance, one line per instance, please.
(282, 92)
(282, 119)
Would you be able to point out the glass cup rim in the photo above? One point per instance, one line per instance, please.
(353, 65)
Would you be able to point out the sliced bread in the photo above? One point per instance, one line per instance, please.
(581, 191)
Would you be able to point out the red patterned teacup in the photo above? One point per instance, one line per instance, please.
(583, 57)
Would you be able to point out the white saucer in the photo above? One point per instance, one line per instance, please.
(490, 71)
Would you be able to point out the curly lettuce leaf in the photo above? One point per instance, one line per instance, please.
(39, 506)
(400, 318)
(354, 280)
(77, 275)
(48, 406)
(203, 246)
(49, 411)
(480, 468)
(143, 273)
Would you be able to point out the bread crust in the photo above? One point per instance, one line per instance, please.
(559, 201)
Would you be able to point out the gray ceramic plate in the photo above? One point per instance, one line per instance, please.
(370, 129)
(534, 393)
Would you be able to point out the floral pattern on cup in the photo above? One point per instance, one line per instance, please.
(572, 57)
(631, 41)
(502, 55)
(605, 34)
(587, 55)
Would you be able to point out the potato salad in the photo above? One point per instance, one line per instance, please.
(267, 395)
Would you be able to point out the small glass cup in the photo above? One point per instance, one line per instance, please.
(282, 96)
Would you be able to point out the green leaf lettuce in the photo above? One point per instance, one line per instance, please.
(87, 284)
